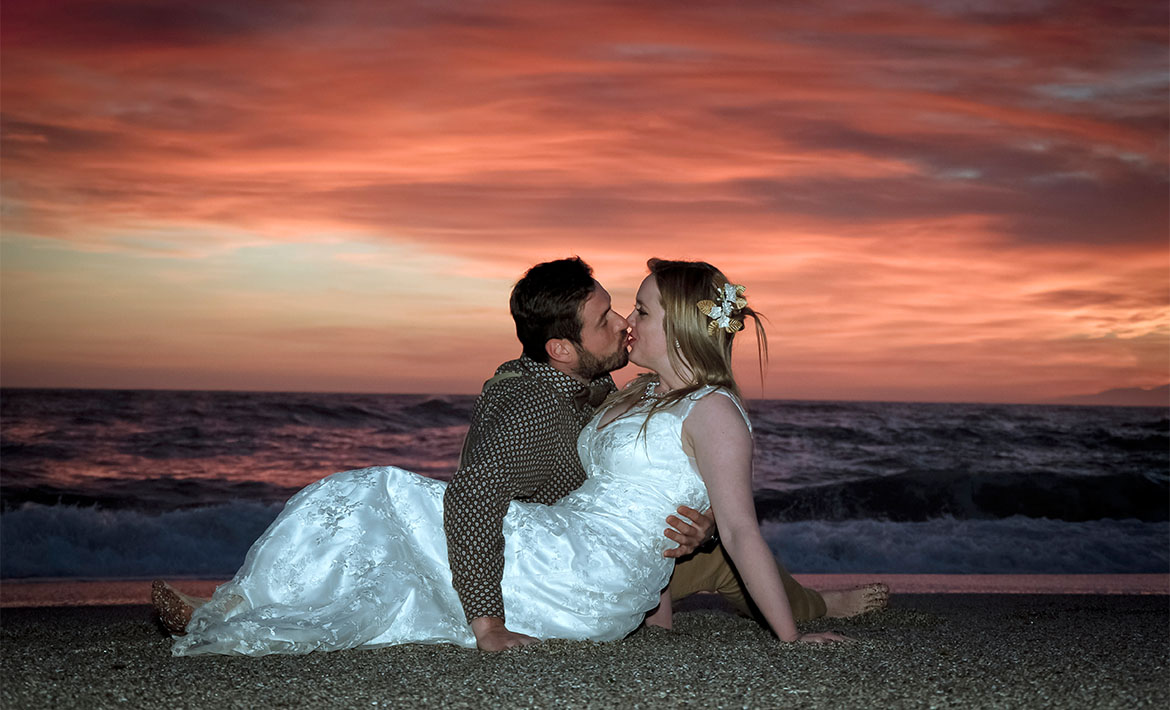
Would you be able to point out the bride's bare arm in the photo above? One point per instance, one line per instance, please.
(717, 436)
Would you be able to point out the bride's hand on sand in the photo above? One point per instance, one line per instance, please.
(825, 637)
(492, 635)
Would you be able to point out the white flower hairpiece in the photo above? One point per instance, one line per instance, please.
(722, 315)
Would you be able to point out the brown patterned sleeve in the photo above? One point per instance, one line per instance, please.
(501, 463)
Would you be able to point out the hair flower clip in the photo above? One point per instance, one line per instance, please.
(721, 314)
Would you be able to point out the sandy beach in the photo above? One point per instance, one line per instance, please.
(926, 651)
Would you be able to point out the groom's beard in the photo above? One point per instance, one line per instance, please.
(590, 367)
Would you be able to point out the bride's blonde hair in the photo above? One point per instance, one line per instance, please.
(699, 357)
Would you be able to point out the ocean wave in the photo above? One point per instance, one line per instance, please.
(188, 441)
(1016, 545)
(153, 495)
(921, 496)
(88, 542)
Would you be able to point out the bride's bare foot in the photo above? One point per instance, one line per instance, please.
(173, 607)
(841, 603)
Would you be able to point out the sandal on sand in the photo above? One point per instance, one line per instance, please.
(173, 607)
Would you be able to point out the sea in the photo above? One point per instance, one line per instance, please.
(121, 485)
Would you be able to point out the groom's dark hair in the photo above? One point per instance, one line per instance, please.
(546, 303)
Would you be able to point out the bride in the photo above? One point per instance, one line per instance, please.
(359, 559)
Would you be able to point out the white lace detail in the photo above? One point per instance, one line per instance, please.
(360, 558)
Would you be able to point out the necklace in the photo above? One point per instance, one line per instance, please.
(650, 393)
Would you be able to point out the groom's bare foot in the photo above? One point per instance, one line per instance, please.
(841, 603)
(492, 635)
(173, 607)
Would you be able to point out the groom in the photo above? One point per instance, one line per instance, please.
(522, 445)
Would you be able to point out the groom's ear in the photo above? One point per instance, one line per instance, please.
(561, 352)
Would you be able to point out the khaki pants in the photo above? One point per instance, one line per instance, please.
(712, 572)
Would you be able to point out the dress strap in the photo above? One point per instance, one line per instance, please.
(709, 389)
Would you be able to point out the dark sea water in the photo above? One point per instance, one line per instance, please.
(126, 484)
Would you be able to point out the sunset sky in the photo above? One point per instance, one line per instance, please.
(942, 201)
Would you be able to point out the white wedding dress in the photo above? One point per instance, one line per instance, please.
(359, 559)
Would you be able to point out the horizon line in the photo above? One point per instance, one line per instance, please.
(1052, 402)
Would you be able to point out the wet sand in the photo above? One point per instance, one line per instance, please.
(932, 650)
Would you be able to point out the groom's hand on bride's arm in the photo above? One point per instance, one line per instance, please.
(689, 536)
(492, 635)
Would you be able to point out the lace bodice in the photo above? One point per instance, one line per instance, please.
(643, 475)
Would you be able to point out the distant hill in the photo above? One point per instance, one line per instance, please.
(1122, 397)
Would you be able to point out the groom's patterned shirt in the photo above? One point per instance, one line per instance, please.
(522, 445)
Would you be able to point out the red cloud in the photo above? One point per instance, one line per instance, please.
(911, 178)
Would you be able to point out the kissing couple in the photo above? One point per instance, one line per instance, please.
(551, 528)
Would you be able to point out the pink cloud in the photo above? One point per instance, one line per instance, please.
(914, 183)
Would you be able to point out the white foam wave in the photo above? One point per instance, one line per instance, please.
(76, 542)
(1015, 545)
(85, 542)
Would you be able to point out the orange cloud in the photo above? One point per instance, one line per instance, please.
(932, 200)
